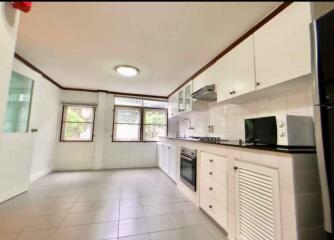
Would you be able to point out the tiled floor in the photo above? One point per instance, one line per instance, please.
(122, 204)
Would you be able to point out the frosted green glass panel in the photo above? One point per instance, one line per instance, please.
(18, 104)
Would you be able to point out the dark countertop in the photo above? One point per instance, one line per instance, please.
(282, 149)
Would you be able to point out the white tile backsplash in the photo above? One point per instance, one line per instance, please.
(228, 119)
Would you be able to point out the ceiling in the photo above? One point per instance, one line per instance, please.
(79, 44)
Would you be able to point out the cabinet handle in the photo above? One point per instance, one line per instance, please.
(210, 188)
(211, 160)
(258, 84)
(235, 168)
(210, 206)
(210, 173)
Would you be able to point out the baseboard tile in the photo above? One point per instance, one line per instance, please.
(35, 176)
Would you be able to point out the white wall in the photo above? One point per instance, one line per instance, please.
(44, 117)
(228, 119)
(102, 153)
(74, 155)
(14, 152)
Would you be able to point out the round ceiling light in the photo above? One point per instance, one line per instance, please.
(127, 71)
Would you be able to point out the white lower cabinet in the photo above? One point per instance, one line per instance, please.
(257, 202)
(213, 187)
(167, 158)
(253, 194)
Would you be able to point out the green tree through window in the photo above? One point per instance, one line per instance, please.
(77, 124)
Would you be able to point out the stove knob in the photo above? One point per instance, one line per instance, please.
(210, 206)
(210, 188)
(211, 160)
(210, 173)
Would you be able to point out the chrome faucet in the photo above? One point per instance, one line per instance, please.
(190, 127)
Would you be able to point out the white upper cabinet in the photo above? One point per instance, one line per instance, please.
(234, 72)
(187, 97)
(199, 82)
(180, 101)
(205, 78)
(282, 46)
(172, 105)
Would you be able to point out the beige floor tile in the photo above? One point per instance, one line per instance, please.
(107, 230)
(70, 233)
(187, 219)
(47, 222)
(132, 227)
(94, 201)
(138, 237)
(81, 218)
(156, 210)
(131, 212)
(8, 236)
(159, 223)
(37, 235)
(166, 235)
(195, 233)
(16, 225)
(106, 216)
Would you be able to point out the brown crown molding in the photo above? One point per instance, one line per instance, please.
(34, 68)
(274, 13)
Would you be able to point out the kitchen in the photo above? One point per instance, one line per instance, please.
(238, 149)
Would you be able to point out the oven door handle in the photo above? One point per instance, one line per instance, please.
(187, 158)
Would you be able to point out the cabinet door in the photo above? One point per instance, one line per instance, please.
(243, 67)
(257, 202)
(160, 156)
(173, 105)
(282, 46)
(235, 71)
(173, 158)
(181, 101)
(199, 82)
(170, 107)
(163, 158)
(187, 97)
(166, 159)
(224, 71)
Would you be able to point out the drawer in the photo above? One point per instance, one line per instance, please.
(214, 209)
(206, 204)
(216, 175)
(215, 190)
(210, 161)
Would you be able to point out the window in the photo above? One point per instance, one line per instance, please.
(155, 124)
(138, 120)
(77, 123)
(127, 121)
(18, 104)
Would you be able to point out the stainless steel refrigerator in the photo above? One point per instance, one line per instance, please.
(322, 29)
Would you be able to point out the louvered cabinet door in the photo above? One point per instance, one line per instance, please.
(257, 202)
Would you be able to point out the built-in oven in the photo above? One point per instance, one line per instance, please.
(188, 158)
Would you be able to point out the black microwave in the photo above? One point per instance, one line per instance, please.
(261, 130)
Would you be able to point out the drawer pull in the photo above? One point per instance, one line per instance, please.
(211, 160)
(210, 206)
(210, 188)
(210, 173)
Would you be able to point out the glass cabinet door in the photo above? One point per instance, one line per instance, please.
(18, 104)
(181, 106)
(187, 97)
